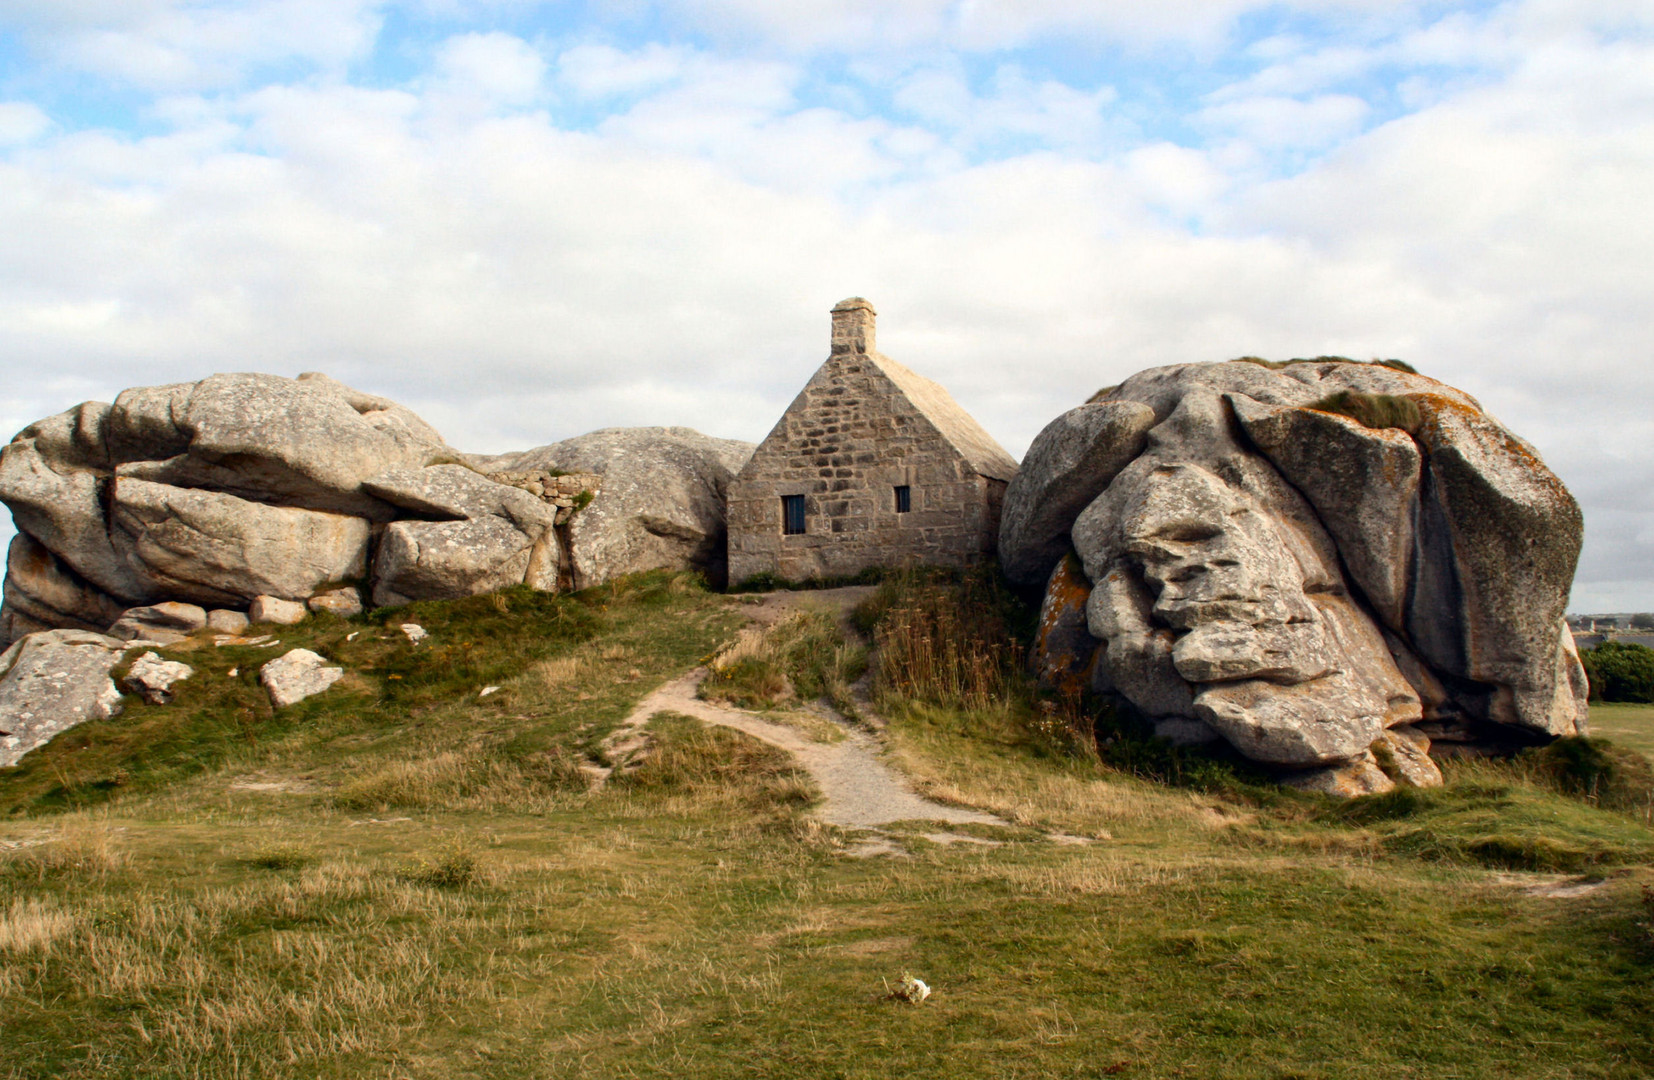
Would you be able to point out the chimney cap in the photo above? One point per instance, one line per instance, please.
(853, 326)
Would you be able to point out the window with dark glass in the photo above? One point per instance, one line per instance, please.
(792, 514)
(904, 499)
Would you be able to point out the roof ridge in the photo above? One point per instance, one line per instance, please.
(958, 427)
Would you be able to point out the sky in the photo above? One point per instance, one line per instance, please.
(529, 220)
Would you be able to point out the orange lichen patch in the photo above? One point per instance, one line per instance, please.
(1440, 412)
(1064, 651)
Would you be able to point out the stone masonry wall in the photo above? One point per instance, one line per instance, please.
(846, 443)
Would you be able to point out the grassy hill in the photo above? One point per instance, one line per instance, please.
(404, 878)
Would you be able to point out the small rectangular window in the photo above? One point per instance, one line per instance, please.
(904, 499)
(792, 514)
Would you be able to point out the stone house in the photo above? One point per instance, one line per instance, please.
(871, 465)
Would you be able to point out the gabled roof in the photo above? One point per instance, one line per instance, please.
(957, 426)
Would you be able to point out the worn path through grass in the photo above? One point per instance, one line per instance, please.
(858, 789)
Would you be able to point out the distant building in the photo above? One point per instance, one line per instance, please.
(871, 465)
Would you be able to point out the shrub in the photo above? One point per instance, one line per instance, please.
(455, 867)
(1620, 671)
(1374, 410)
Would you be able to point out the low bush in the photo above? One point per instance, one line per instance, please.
(1619, 671)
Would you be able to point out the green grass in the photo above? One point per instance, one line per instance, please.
(401, 879)
(1627, 725)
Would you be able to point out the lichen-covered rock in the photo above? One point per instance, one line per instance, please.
(345, 603)
(51, 681)
(308, 442)
(153, 678)
(661, 504)
(297, 675)
(1321, 562)
(1064, 649)
(225, 621)
(208, 547)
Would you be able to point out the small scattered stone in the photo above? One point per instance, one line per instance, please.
(344, 602)
(488, 690)
(153, 678)
(352, 635)
(160, 623)
(235, 671)
(225, 621)
(296, 675)
(415, 632)
(271, 609)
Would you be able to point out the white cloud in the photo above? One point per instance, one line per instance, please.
(992, 25)
(1014, 106)
(520, 283)
(601, 71)
(1279, 122)
(194, 44)
(496, 66)
(21, 122)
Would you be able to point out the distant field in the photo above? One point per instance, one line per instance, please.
(1628, 725)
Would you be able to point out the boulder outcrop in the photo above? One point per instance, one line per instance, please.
(239, 491)
(1328, 564)
(474, 535)
(661, 503)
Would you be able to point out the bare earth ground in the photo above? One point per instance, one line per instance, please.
(858, 789)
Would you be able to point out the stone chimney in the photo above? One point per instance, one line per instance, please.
(853, 326)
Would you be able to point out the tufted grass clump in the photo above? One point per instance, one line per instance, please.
(802, 657)
(280, 856)
(946, 639)
(454, 866)
(1375, 411)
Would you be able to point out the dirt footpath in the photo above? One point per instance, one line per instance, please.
(858, 789)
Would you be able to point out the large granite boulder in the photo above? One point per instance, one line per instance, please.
(51, 681)
(211, 492)
(1326, 563)
(473, 535)
(661, 503)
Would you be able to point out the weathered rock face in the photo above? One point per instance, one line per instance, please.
(239, 487)
(661, 503)
(1326, 595)
(161, 623)
(211, 492)
(51, 681)
(42, 593)
(493, 536)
